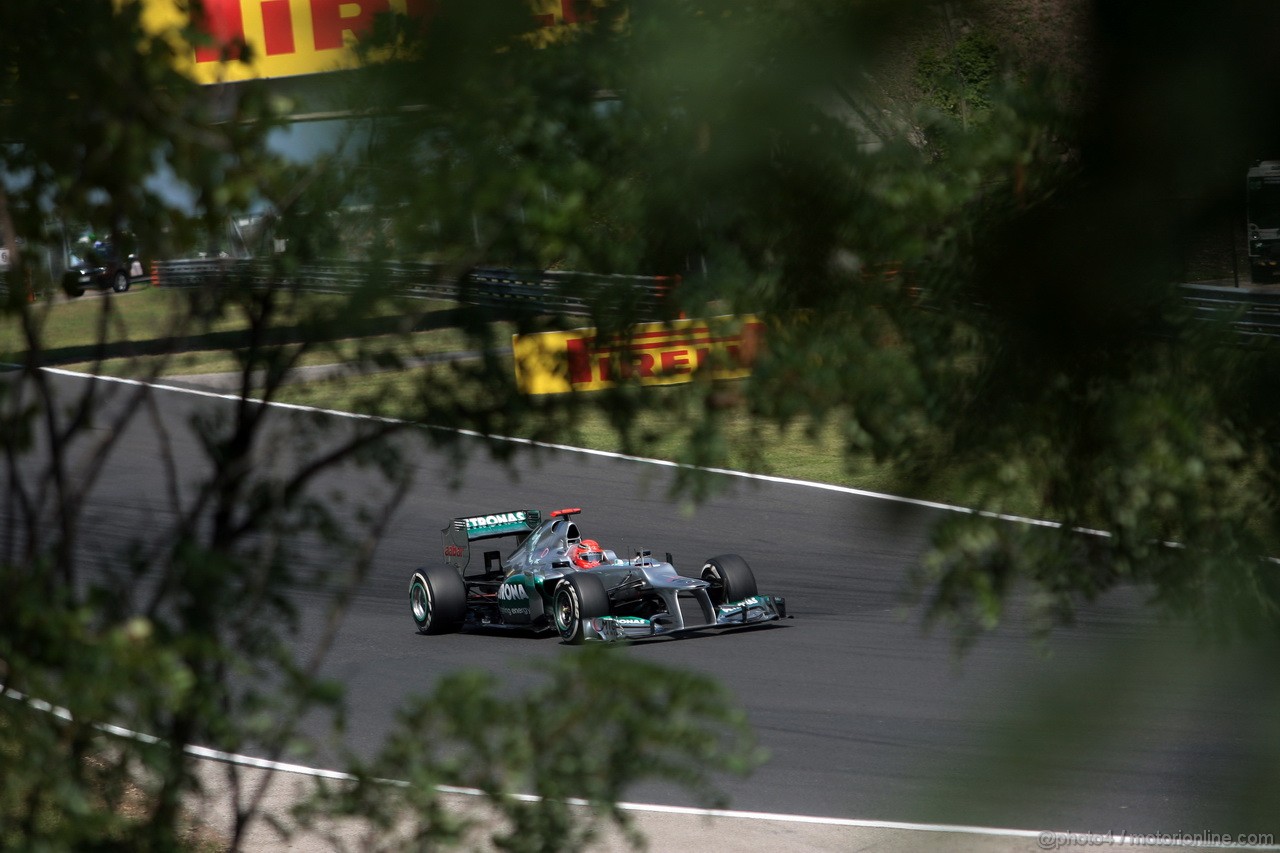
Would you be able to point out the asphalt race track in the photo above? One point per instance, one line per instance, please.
(1110, 726)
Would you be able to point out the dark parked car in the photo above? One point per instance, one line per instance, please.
(101, 268)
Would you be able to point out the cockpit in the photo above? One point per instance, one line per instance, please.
(558, 536)
(552, 541)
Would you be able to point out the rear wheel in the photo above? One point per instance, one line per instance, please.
(579, 597)
(730, 577)
(120, 283)
(438, 600)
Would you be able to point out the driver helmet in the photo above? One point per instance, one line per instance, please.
(587, 554)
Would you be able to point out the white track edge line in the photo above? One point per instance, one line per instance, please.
(608, 454)
(649, 808)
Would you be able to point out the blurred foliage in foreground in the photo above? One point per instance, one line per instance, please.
(590, 732)
(975, 263)
(176, 613)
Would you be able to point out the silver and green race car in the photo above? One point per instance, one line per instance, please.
(539, 586)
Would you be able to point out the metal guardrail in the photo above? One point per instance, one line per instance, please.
(566, 292)
(1251, 312)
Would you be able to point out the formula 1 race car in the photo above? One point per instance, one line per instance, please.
(556, 579)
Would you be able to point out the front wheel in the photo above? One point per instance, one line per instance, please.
(730, 577)
(438, 600)
(121, 282)
(71, 285)
(579, 598)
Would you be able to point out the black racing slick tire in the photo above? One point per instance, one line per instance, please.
(579, 598)
(120, 283)
(437, 600)
(730, 577)
(71, 285)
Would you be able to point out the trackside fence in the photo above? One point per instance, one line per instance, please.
(1251, 312)
(566, 292)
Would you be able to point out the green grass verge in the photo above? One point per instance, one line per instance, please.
(149, 315)
(145, 334)
(417, 345)
(800, 451)
(77, 324)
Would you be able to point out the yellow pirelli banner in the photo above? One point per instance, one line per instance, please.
(652, 354)
(291, 37)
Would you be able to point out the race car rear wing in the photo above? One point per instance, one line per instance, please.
(461, 532)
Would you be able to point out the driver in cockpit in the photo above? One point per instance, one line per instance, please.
(586, 554)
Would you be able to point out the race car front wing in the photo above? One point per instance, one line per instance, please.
(755, 610)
